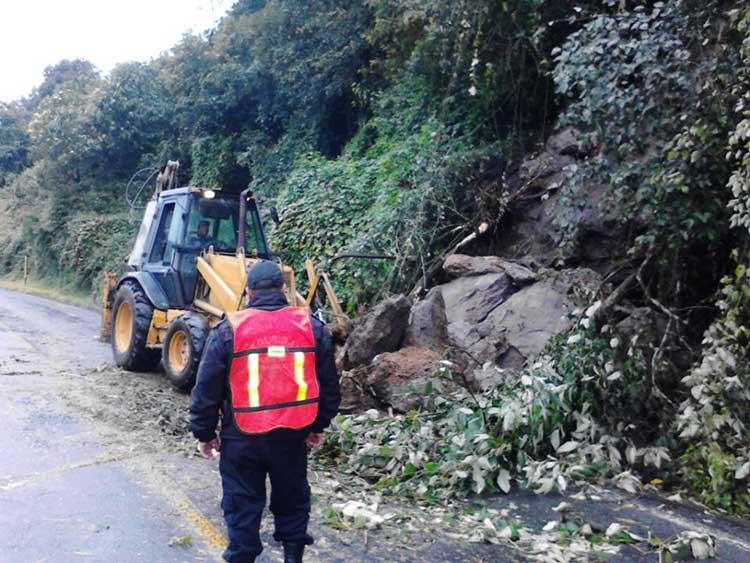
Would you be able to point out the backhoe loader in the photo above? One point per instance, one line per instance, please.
(187, 268)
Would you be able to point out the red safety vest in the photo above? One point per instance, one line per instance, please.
(272, 378)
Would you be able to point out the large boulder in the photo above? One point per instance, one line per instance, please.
(400, 379)
(471, 299)
(381, 330)
(520, 326)
(427, 323)
(529, 319)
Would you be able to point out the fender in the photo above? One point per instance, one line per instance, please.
(151, 288)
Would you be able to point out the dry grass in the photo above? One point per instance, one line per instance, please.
(61, 293)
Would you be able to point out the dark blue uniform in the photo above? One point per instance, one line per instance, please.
(246, 460)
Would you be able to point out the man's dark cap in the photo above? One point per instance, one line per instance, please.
(265, 275)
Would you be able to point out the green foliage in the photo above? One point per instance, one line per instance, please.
(659, 112)
(711, 475)
(626, 76)
(400, 188)
(133, 120)
(543, 430)
(94, 243)
(478, 60)
(63, 128)
(713, 419)
(65, 73)
(661, 125)
(14, 141)
(398, 107)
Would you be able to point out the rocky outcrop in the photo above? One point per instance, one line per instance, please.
(381, 330)
(556, 207)
(495, 314)
(428, 326)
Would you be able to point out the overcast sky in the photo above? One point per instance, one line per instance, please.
(37, 33)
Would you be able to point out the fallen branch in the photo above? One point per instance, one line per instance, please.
(432, 271)
(614, 299)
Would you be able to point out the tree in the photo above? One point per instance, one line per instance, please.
(14, 140)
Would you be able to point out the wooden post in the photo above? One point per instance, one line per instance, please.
(312, 278)
(25, 270)
(108, 294)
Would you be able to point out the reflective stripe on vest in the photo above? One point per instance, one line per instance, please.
(299, 375)
(253, 371)
(272, 378)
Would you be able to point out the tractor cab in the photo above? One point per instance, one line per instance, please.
(181, 224)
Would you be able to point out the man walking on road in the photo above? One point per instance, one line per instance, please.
(269, 372)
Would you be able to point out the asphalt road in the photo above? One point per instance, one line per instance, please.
(64, 496)
(95, 466)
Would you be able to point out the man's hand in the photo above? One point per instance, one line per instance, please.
(314, 439)
(208, 449)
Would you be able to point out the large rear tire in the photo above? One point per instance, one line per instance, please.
(183, 348)
(131, 319)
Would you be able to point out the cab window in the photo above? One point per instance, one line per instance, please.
(215, 222)
(161, 251)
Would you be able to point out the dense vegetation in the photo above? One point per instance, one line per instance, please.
(397, 127)
(382, 113)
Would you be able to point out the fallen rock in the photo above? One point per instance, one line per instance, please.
(529, 319)
(381, 330)
(487, 377)
(471, 299)
(355, 393)
(460, 265)
(427, 326)
(399, 379)
(518, 329)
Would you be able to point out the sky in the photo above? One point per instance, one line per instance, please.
(37, 33)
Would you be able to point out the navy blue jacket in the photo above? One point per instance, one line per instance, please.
(211, 389)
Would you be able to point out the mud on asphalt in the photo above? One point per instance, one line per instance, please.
(140, 414)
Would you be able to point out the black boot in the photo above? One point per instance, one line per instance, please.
(293, 552)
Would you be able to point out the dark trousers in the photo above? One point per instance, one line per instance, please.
(243, 465)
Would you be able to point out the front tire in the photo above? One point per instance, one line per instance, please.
(131, 320)
(183, 347)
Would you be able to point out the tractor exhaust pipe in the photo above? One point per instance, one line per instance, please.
(242, 235)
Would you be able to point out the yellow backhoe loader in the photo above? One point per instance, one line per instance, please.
(188, 268)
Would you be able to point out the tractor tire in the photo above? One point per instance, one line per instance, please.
(183, 347)
(131, 320)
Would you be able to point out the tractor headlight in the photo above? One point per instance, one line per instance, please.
(209, 194)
